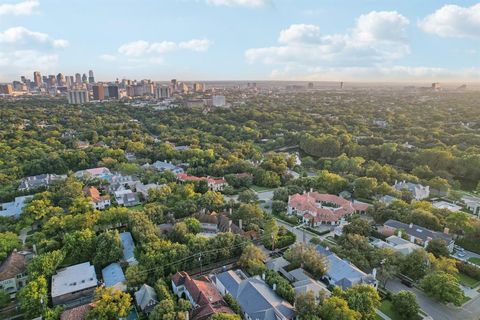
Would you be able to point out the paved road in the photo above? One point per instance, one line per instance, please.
(438, 311)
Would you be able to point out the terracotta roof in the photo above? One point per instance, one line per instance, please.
(94, 194)
(187, 177)
(332, 207)
(15, 263)
(78, 313)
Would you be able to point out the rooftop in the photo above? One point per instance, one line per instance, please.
(128, 247)
(113, 275)
(74, 278)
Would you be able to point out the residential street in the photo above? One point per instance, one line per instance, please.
(438, 311)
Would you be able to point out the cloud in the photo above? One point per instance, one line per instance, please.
(21, 8)
(108, 57)
(239, 3)
(21, 36)
(141, 47)
(377, 38)
(453, 21)
(26, 61)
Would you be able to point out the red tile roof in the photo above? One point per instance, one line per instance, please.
(15, 263)
(187, 177)
(78, 313)
(94, 194)
(324, 207)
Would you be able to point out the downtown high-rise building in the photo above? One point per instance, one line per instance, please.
(77, 96)
(60, 79)
(84, 78)
(162, 92)
(113, 92)
(37, 79)
(198, 87)
(98, 92)
(78, 78)
(91, 78)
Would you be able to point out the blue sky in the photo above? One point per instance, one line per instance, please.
(363, 40)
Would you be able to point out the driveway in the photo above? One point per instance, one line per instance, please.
(439, 311)
(266, 200)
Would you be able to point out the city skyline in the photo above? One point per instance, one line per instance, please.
(370, 41)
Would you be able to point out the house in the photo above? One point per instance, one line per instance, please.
(128, 247)
(97, 201)
(397, 244)
(127, 198)
(319, 208)
(13, 274)
(39, 181)
(208, 223)
(225, 224)
(166, 166)
(119, 182)
(74, 283)
(77, 313)
(472, 203)
(256, 299)
(418, 191)
(144, 189)
(113, 277)
(94, 173)
(418, 235)
(446, 205)
(303, 283)
(213, 183)
(146, 298)
(202, 294)
(14, 208)
(342, 273)
(387, 199)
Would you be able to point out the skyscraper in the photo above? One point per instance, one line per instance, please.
(60, 79)
(78, 78)
(198, 87)
(37, 79)
(84, 78)
(6, 89)
(98, 92)
(113, 92)
(91, 78)
(77, 96)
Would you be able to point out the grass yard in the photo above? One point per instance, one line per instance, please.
(138, 207)
(467, 280)
(387, 308)
(474, 260)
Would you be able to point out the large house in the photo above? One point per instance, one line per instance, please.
(127, 198)
(472, 203)
(342, 273)
(144, 189)
(94, 173)
(74, 283)
(446, 205)
(14, 208)
(416, 234)
(213, 183)
(146, 298)
(96, 200)
(166, 166)
(319, 208)
(39, 181)
(418, 191)
(13, 274)
(256, 299)
(202, 294)
(397, 244)
(113, 277)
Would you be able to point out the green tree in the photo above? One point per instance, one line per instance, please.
(33, 297)
(443, 286)
(225, 316)
(4, 299)
(438, 247)
(45, 264)
(109, 248)
(336, 308)
(364, 299)
(247, 196)
(250, 214)
(8, 242)
(313, 261)
(358, 226)
(165, 310)
(252, 260)
(135, 275)
(109, 303)
(307, 305)
(193, 225)
(405, 302)
(364, 187)
(270, 233)
(416, 264)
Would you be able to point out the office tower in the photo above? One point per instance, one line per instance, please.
(37, 79)
(198, 87)
(113, 92)
(174, 84)
(78, 78)
(84, 78)
(23, 79)
(130, 91)
(45, 79)
(6, 89)
(162, 92)
(182, 87)
(436, 86)
(91, 78)
(218, 101)
(60, 79)
(19, 86)
(52, 80)
(77, 96)
(98, 92)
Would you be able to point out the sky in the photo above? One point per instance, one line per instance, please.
(314, 40)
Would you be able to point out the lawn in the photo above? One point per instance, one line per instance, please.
(138, 207)
(474, 260)
(467, 280)
(387, 308)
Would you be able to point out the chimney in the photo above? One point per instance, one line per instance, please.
(374, 273)
(446, 230)
(229, 225)
(311, 189)
(411, 225)
(240, 224)
(399, 233)
(263, 276)
(274, 287)
(230, 211)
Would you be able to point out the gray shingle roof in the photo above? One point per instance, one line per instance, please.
(417, 231)
(128, 247)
